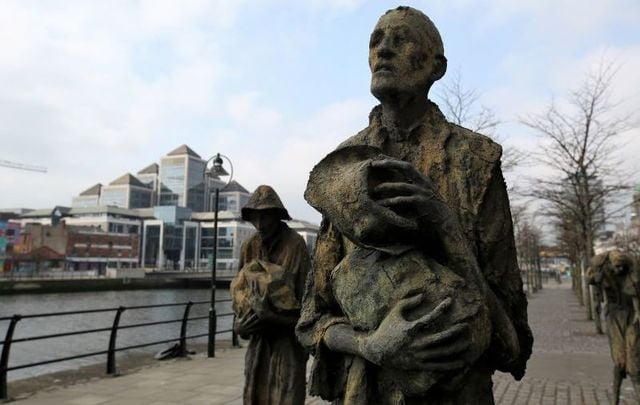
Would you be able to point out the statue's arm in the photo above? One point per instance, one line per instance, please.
(497, 259)
(319, 310)
(300, 264)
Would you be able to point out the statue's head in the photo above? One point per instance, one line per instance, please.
(621, 263)
(265, 211)
(406, 54)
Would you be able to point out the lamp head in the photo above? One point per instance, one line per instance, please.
(217, 170)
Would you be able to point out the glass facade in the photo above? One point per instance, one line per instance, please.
(85, 201)
(182, 182)
(152, 246)
(172, 181)
(195, 182)
(190, 246)
(140, 198)
(115, 196)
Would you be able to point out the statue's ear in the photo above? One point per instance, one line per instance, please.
(440, 67)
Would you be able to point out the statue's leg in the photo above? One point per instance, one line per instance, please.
(635, 380)
(598, 317)
(618, 376)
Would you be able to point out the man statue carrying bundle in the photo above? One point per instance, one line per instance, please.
(415, 295)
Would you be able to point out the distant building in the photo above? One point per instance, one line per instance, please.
(61, 247)
(232, 198)
(149, 177)
(46, 216)
(181, 181)
(88, 198)
(164, 213)
(127, 192)
(9, 237)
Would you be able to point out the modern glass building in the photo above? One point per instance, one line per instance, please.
(170, 205)
(88, 198)
(149, 177)
(181, 179)
(126, 192)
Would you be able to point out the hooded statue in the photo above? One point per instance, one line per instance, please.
(267, 295)
(265, 198)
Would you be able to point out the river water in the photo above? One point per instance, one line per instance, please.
(29, 352)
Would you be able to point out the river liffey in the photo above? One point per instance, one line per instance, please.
(41, 350)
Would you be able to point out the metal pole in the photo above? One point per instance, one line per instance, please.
(211, 347)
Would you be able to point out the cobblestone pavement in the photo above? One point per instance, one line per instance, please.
(570, 362)
(570, 366)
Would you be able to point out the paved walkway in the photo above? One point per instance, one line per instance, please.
(570, 365)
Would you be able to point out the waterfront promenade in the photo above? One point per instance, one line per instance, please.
(570, 365)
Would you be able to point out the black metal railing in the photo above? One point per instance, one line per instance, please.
(112, 348)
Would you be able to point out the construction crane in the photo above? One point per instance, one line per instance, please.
(22, 166)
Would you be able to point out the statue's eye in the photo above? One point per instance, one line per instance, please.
(375, 39)
(399, 40)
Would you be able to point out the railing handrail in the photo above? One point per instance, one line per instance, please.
(114, 328)
(97, 310)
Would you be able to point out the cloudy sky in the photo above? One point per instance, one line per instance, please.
(95, 89)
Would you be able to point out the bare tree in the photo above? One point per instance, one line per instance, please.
(581, 150)
(461, 106)
(528, 240)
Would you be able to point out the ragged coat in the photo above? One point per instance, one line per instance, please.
(465, 169)
(275, 362)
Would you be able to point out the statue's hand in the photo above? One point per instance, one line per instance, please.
(416, 193)
(259, 303)
(414, 345)
(248, 324)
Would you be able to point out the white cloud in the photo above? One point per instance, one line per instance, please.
(247, 111)
(94, 89)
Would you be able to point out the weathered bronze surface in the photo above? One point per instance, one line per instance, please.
(615, 275)
(266, 300)
(415, 295)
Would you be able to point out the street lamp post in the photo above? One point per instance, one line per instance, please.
(216, 171)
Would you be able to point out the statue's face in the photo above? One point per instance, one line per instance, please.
(266, 222)
(401, 58)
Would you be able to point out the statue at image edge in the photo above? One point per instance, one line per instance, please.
(616, 276)
(415, 295)
(267, 292)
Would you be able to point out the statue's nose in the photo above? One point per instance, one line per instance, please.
(385, 48)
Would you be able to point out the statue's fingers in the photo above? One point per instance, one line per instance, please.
(397, 188)
(392, 164)
(443, 351)
(410, 302)
(437, 338)
(253, 318)
(442, 366)
(427, 319)
(394, 201)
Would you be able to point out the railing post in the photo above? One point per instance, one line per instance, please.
(234, 335)
(111, 354)
(182, 350)
(4, 359)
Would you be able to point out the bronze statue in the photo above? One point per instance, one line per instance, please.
(267, 293)
(415, 295)
(616, 275)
